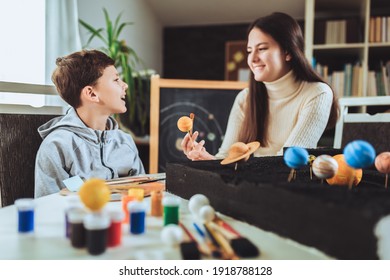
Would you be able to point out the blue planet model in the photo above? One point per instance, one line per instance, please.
(359, 154)
(296, 157)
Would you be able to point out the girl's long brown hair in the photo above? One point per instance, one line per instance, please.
(286, 31)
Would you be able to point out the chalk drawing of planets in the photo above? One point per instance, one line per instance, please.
(211, 136)
(178, 144)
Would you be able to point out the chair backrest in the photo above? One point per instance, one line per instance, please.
(374, 129)
(19, 143)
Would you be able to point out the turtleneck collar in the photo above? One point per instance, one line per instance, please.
(283, 87)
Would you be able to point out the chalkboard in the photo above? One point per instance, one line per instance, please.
(210, 101)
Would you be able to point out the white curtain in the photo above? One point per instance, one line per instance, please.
(62, 32)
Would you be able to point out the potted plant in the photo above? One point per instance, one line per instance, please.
(136, 119)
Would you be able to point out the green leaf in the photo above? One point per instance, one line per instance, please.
(94, 32)
(126, 61)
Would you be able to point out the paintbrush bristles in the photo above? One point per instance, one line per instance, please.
(242, 246)
(224, 244)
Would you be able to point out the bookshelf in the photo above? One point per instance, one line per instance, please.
(349, 44)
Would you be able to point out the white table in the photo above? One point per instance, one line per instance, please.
(49, 241)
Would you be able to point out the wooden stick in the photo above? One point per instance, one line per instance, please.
(124, 180)
(291, 175)
(350, 182)
(127, 185)
(192, 116)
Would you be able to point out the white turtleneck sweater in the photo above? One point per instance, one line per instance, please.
(298, 115)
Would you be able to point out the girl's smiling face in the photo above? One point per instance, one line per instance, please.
(266, 59)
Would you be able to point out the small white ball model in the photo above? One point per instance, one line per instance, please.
(206, 213)
(172, 234)
(196, 202)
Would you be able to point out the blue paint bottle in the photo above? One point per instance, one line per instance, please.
(25, 208)
(137, 212)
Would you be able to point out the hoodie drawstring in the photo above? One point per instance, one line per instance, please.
(102, 153)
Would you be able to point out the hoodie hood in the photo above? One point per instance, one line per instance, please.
(72, 122)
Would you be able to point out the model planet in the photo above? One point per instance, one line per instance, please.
(184, 124)
(325, 166)
(296, 157)
(94, 193)
(345, 174)
(382, 162)
(359, 154)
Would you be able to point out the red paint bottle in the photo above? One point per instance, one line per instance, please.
(115, 229)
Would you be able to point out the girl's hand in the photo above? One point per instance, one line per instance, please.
(194, 150)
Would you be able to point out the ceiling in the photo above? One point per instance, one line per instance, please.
(207, 12)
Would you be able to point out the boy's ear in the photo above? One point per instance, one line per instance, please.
(88, 93)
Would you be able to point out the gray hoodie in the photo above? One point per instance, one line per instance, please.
(70, 148)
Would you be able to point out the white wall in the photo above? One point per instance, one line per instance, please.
(144, 36)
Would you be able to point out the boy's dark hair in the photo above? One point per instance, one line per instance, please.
(77, 70)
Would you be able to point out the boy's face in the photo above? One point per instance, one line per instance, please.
(111, 91)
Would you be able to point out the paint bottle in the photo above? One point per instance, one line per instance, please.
(171, 210)
(156, 203)
(115, 228)
(77, 229)
(137, 193)
(125, 201)
(25, 208)
(96, 225)
(72, 201)
(137, 212)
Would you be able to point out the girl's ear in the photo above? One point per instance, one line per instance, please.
(288, 57)
(87, 93)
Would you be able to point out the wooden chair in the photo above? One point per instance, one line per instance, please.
(23, 107)
(374, 129)
(18, 147)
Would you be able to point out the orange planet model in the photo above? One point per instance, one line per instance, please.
(94, 193)
(240, 151)
(184, 124)
(345, 173)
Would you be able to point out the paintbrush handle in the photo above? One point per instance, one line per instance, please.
(211, 235)
(218, 243)
(228, 234)
(187, 232)
(226, 226)
(210, 248)
(124, 180)
(225, 245)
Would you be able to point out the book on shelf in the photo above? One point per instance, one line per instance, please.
(349, 81)
(379, 29)
(335, 32)
(357, 80)
(371, 90)
(340, 31)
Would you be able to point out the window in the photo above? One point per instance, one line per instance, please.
(22, 32)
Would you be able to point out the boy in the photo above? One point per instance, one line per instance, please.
(86, 141)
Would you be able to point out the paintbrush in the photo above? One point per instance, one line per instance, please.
(214, 251)
(227, 251)
(125, 186)
(189, 249)
(242, 246)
